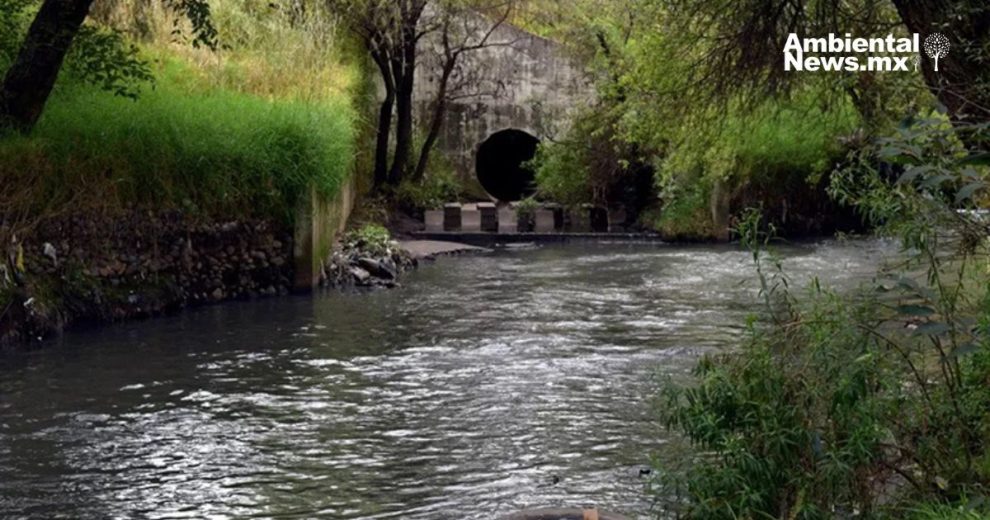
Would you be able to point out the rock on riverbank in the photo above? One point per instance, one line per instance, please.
(360, 267)
(364, 263)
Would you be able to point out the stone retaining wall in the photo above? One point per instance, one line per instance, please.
(137, 263)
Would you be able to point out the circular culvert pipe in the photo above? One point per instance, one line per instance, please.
(500, 165)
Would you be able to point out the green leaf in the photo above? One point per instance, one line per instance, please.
(932, 329)
(915, 310)
(896, 155)
(971, 174)
(936, 181)
(965, 350)
(981, 159)
(967, 191)
(912, 172)
(888, 152)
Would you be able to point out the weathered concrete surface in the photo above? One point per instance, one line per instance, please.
(423, 249)
(318, 222)
(522, 82)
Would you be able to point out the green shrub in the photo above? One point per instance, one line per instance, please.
(945, 512)
(437, 187)
(686, 214)
(592, 164)
(865, 404)
(371, 239)
(562, 173)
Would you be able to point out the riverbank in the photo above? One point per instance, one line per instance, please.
(98, 270)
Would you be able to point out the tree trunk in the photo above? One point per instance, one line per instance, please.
(403, 115)
(384, 120)
(960, 84)
(30, 79)
(436, 121)
(404, 70)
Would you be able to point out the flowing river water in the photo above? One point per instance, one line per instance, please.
(485, 385)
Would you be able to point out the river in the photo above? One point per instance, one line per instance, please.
(484, 385)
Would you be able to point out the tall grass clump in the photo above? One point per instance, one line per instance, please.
(269, 49)
(243, 129)
(215, 151)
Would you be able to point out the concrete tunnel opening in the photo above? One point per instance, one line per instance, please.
(501, 165)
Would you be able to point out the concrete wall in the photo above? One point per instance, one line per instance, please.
(319, 220)
(523, 82)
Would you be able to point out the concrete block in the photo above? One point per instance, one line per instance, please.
(470, 221)
(544, 221)
(434, 220)
(617, 220)
(507, 221)
(489, 217)
(318, 222)
(558, 215)
(599, 219)
(580, 220)
(452, 217)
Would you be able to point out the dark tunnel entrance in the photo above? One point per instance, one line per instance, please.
(499, 164)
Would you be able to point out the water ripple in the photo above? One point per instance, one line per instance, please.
(484, 386)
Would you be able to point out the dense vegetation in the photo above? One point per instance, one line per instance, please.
(236, 131)
(873, 404)
(712, 152)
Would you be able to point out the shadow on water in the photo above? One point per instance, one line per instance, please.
(485, 385)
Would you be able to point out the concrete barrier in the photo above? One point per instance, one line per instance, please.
(580, 219)
(507, 220)
(319, 220)
(616, 220)
(489, 216)
(470, 219)
(434, 220)
(452, 217)
(544, 221)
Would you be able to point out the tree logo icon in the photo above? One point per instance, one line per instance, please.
(937, 46)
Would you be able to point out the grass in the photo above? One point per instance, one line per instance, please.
(267, 49)
(241, 131)
(212, 151)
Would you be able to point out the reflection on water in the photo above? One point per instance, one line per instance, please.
(485, 385)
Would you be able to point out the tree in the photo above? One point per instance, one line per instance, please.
(744, 40)
(392, 31)
(389, 31)
(29, 81)
(461, 30)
